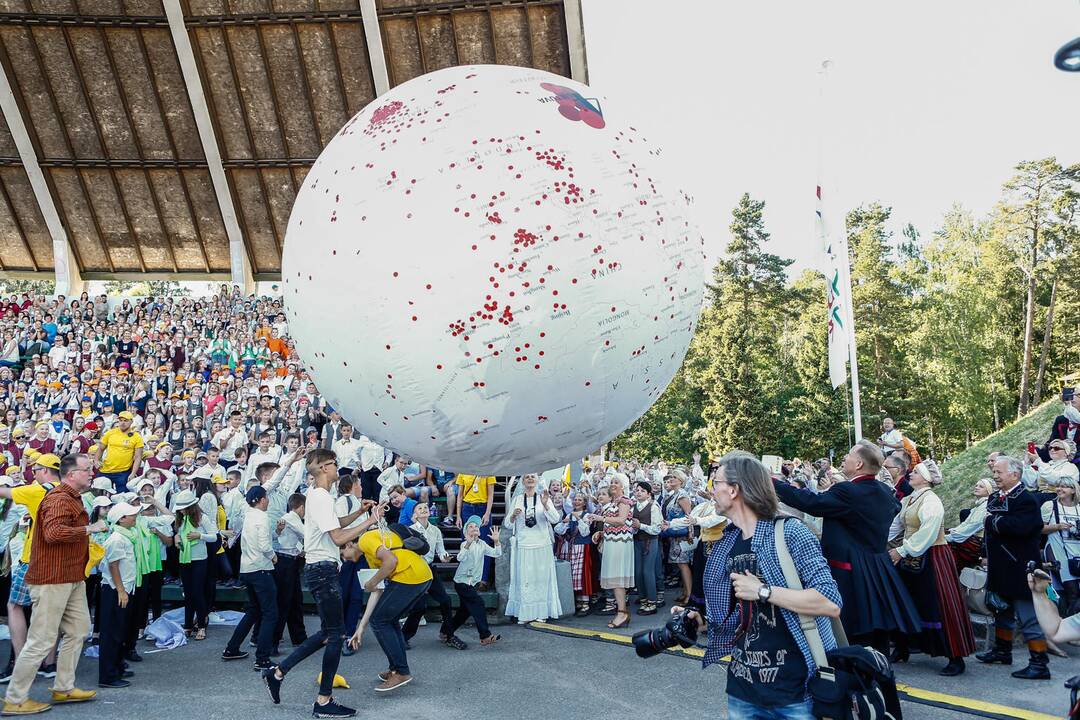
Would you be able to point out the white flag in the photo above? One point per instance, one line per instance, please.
(835, 254)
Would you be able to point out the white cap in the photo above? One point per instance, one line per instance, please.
(122, 510)
(101, 501)
(140, 484)
(102, 483)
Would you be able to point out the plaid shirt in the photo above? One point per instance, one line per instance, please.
(813, 570)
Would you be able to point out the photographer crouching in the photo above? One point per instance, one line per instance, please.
(750, 611)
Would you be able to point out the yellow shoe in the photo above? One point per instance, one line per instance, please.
(73, 695)
(29, 707)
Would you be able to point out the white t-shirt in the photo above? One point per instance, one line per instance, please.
(348, 504)
(319, 520)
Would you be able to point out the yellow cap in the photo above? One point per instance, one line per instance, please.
(48, 460)
(125, 415)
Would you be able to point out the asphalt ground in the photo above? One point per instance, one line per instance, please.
(565, 670)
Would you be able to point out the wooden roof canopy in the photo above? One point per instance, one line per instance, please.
(167, 138)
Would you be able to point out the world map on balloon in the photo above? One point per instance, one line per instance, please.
(490, 268)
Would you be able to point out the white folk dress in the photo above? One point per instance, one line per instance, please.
(534, 589)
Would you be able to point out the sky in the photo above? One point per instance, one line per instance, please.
(926, 103)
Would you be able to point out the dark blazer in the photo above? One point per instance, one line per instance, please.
(854, 539)
(1012, 534)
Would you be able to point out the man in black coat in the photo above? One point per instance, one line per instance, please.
(1011, 534)
(1066, 426)
(854, 540)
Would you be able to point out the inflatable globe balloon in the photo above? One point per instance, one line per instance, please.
(489, 269)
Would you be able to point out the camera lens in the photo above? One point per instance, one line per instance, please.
(650, 643)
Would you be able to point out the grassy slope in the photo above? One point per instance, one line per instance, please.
(962, 470)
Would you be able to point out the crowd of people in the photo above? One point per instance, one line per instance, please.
(162, 441)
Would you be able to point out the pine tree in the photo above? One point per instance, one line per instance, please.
(740, 378)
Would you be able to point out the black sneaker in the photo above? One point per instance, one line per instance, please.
(234, 654)
(133, 656)
(273, 685)
(261, 665)
(47, 671)
(331, 710)
(115, 684)
(455, 642)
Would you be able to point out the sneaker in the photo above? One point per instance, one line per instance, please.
(234, 654)
(215, 618)
(448, 521)
(115, 684)
(393, 681)
(47, 671)
(273, 685)
(455, 642)
(133, 656)
(261, 665)
(385, 675)
(346, 649)
(331, 710)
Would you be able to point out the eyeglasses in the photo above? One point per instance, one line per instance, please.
(1058, 447)
(329, 462)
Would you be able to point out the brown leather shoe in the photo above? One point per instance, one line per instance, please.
(27, 707)
(393, 682)
(74, 695)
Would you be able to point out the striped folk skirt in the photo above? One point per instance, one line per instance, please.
(946, 625)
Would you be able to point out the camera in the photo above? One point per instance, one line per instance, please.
(681, 629)
(530, 518)
(1049, 567)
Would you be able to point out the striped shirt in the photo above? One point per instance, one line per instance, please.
(61, 546)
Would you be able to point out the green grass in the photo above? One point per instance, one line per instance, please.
(961, 471)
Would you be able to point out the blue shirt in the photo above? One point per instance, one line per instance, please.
(407, 507)
(813, 571)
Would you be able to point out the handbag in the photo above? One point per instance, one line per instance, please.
(973, 581)
(842, 687)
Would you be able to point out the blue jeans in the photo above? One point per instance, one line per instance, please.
(478, 509)
(322, 581)
(396, 602)
(119, 480)
(741, 710)
(645, 567)
(261, 607)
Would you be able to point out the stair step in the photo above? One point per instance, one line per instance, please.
(225, 596)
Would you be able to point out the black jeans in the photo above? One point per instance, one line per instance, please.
(262, 607)
(290, 599)
(114, 621)
(470, 604)
(436, 591)
(396, 601)
(369, 483)
(193, 578)
(352, 594)
(322, 581)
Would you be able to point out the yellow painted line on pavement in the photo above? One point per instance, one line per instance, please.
(943, 700)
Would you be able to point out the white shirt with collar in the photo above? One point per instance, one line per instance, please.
(470, 569)
(372, 454)
(435, 540)
(119, 548)
(257, 458)
(256, 550)
(348, 452)
(229, 444)
(388, 478)
(290, 541)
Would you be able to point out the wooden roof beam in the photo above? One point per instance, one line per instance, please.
(239, 265)
(68, 279)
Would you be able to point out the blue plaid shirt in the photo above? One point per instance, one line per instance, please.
(813, 571)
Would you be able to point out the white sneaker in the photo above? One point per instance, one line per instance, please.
(215, 618)
(423, 621)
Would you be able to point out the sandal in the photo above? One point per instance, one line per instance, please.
(609, 608)
(647, 608)
(582, 610)
(490, 639)
(614, 625)
(200, 634)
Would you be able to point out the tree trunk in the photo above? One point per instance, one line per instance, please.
(1041, 375)
(1029, 331)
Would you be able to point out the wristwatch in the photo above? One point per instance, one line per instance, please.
(764, 593)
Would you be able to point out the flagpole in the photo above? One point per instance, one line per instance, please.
(843, 266)
(856, 405)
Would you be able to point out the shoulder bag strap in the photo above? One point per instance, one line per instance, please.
(807, 622)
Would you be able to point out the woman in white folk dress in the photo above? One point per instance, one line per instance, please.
(534, 590)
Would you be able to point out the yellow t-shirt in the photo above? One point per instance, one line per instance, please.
(120, 450)
(29, 496)
(476, 488)
(411, 568)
